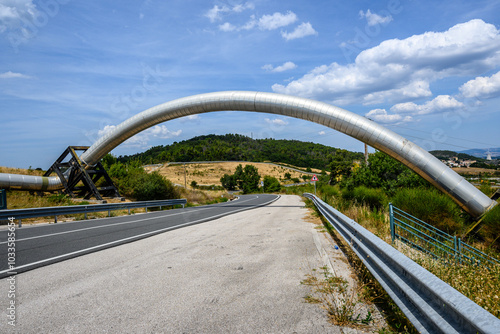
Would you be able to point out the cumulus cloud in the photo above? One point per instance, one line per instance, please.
(382, 116)
(277, 20)
(215, 13)
(285, 67)
(482, 87)
(11, 75)
(266, 22)
(142, 139)
(439, 104)
(13, 12)
(276, 121)
(321, 133)
(373, 19)
(303, 30)
(398, 70)
(226, 26)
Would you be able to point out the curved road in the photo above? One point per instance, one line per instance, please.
(39, 246)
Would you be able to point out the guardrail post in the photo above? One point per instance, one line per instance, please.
(19, 222)
(391, 217)
(55, 219)
(129, 211)
(146, 209)
(109, 213)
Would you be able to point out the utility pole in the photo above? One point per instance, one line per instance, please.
(366, 154)
(185, 181)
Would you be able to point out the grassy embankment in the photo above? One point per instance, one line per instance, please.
(369, 207)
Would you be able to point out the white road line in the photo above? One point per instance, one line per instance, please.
(14, 270)
(116, 224)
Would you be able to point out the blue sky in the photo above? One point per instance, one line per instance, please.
(71, 70)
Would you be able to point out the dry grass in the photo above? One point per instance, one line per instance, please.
(210, 173)
(475, 282)
(344, 302)
(11, 170)
(473, 170)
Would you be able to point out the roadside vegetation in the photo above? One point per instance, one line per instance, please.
(362, 192)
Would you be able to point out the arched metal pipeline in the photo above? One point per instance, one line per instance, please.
(426, 165)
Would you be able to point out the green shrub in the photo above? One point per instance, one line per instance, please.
(490, 230)
(146, 187)
(375, 198)
(271, 184)
(431, 206)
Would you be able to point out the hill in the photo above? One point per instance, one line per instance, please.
(445, 155)
(210, 173)
(234, 147)
(482, 153)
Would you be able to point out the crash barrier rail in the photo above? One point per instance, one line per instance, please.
(428, 239)
(55, 211)
(3, 199)
(430, 304)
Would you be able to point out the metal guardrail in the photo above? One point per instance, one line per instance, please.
(431, 240)
(55, 211)
(430, 304)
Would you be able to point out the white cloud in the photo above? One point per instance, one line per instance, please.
(190, 118)
(303, 30)
(285, 67)
(439, 104)
(482, 87)
(276, 121)
(382, 116)
(373, 19)
(321, 133)
(398, 70)
(277, 20)
(11, 75)
(12, 12)
(142, 139)
(215, 13)
(227, 27)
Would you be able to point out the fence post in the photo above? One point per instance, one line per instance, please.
(391, 215)
(459, 249)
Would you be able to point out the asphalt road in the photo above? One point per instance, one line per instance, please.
(237, 274)
(43, 245)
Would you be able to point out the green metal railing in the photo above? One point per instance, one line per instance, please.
(428, 239)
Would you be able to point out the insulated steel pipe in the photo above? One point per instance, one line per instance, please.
(422, 162)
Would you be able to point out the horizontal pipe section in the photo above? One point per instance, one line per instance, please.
(422, 162)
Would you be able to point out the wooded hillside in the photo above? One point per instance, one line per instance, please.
(234, 147)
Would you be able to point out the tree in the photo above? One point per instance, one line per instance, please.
(288, 176)
(194, 184)
(246, 178)
(271, 184)
(340, 166)
(228, 182)
(384, 172)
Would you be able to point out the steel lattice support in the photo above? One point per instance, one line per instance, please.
(78, 181)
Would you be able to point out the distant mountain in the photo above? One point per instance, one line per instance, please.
(482, 152)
